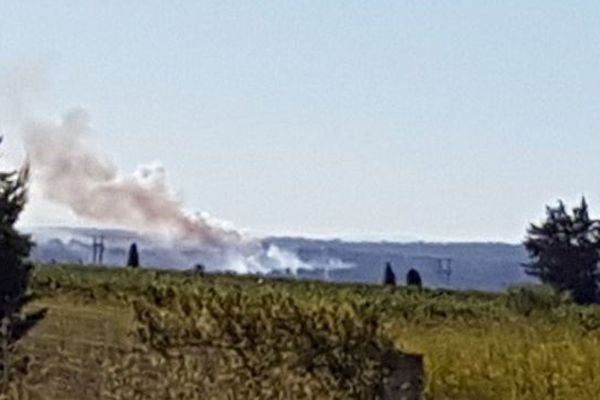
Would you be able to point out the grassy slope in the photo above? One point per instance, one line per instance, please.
(476, 345)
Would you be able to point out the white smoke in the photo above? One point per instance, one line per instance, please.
(71, 173)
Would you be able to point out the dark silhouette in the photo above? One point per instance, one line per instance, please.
(98, 250)
(413, 278)
(565, 251)
(199, 269)
(15, 273)
(389, 278)
(133, 259)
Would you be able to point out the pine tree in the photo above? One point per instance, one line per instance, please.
(565, 251)
(133, 259)
(413, 278)
(15, 272)
(389, 278)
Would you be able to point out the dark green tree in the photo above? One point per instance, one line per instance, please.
(565, 251)
(413, 278)
(15, 271)
(389, 278)
(133, 259)
(199, 269)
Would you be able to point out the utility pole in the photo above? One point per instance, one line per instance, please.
(98, 250)
(445, 268)
(101, 250)
(94, 249)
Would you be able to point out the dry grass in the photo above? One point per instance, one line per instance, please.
(506, 361)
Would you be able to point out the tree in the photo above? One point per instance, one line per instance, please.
(565, 251)
(413, 278)
(199, 269)
(389, 278)
(133, 259)
(15, 272)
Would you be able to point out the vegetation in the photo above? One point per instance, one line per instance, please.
(265, 345)
(133, 258)
(565, 251)
(413, 278)
(529, 343)
(389, 278)
(14, 271)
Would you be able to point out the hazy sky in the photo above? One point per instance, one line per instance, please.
(454, 120)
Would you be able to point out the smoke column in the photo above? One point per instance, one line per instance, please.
(71, 173)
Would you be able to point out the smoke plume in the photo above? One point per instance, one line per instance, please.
(71, 173)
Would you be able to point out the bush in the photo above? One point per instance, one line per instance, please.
(527, 299)
(263, 345)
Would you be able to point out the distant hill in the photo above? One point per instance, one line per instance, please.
(481, 266)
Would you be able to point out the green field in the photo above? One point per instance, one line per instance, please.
(120, 334)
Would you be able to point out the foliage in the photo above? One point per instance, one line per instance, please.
(266, 341)
(476, 345)
(528, 299)
(565, 251)
(133, 258)
(389, 278)
(413, 278)
(14, 271)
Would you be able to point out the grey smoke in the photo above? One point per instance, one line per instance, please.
(70, 172)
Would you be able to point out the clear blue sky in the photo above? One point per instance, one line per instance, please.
(454, 120)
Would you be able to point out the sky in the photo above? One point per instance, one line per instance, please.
(397, 120)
